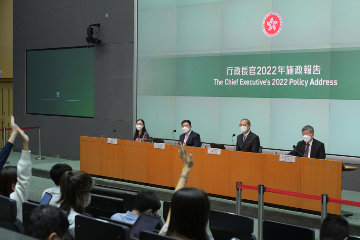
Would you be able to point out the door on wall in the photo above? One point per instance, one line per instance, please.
(6, 108)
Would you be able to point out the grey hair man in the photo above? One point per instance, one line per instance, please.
(309, 147)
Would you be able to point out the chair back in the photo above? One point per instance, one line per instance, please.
(104, 206)
(282, 231)
(127, 195)
(146, 235)
(353, 238)
(8, 214)
(225, 226)
(88, 228)
(27, 208)
(166, 208)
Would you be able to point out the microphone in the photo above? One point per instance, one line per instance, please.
(121, 137)
(173, 134)
(232, 139)
(297, 151)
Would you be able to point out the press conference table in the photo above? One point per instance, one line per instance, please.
(216, 174)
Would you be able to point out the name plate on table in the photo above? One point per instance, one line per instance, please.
(216, 151)
(159, 145)
(287, 158)
(112, 140)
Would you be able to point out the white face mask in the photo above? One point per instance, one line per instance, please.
(243, 128)
(139, 127)
(87, 203)
(306, 138)
(185, 129)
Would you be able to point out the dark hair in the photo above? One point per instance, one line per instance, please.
(136, 134)
(145, 201)
(248, 121)
(8, 176)
(334, 228)
(58, 170)
(184, 121)
(45, 220)
(190, 209)
(72, 187)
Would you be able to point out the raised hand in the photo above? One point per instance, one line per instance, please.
(12, 122)
(187, 159)
(24, 137)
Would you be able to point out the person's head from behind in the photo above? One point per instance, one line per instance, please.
(147, 203)
(47, 222)
(190, 209)
(57, 171)
(75, 190)
(8, 180)
(334, 228)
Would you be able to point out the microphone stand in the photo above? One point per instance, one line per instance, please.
(232, 139)
(297, 151)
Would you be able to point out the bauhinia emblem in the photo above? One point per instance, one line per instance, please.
(272, 24)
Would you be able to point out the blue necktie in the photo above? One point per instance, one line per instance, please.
(244, 138)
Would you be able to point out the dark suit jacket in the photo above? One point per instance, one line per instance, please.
(251, 144)
(193, 140)
(317, 149)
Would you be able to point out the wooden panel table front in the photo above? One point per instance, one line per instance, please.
(216, 174)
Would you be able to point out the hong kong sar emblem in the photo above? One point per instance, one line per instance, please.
(272, 24)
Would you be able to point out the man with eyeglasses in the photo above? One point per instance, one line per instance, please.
(247, 141)
(309, 147)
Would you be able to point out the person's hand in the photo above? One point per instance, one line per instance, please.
(12, 123)
(187, 159)
(24, 137)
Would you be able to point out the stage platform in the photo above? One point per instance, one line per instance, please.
(41, 180)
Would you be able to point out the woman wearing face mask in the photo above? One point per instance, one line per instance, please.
(141, 134)
(75, 190)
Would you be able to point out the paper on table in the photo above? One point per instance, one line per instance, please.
(287, 158)
(112, 140)
(216, 151)
(159, 145)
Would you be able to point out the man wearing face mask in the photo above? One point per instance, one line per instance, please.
(189, 137)
(309, 147)
(247, 141)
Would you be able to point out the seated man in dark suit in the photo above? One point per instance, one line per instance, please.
(247, 141)
(189, 137)
(310, 147)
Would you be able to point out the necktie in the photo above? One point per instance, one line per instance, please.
(186, 138)
(306, 150)
(244, 138)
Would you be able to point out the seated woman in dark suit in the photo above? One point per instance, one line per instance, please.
(141, 134)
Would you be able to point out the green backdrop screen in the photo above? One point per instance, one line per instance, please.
(60, 82)
(211, 62)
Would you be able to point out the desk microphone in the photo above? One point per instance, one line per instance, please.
(232, 139)
(173, 134)
(121, 137)
(297, 151)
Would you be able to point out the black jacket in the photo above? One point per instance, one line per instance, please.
(251, 144)
(193, 140)
(317, 149)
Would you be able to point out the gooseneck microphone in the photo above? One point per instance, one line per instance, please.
(297, 151)
(173, 134)
(232, 139)
(120, 137)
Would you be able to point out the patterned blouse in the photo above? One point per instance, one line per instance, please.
(146, 138)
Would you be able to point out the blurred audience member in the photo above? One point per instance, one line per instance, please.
(146, 203)
(334, 228)
(15, 181)
(47, 223)
(75, 196)
(56, 173)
